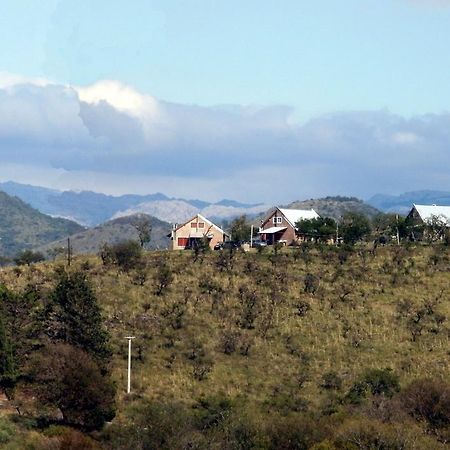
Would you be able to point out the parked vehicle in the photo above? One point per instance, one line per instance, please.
(227, 245)
(259, 243)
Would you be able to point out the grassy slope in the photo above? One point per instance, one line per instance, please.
(354, 323)
(348, 335)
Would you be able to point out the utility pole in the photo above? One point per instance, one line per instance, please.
(130, 338)
(398, 234)
(251, 236)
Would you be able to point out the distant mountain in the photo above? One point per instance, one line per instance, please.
(336, 207)
(23, 227)
(111, 232)
(91, 208)
(172, 211)
(178, 211)
(403, 203)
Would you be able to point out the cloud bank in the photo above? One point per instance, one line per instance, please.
(128, 141)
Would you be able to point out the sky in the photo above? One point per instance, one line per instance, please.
(259, 101)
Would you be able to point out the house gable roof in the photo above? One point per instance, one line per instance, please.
(204, 219)
(294, 215)
(427, 212)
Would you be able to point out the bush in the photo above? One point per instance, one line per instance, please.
(429, 400)
(331, 380)
(68, 379)
(28, 257)
(126, 254)
(375, 381)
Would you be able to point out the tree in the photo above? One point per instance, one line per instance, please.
(7, 364)
(28, 257)
(67, 378)
(240, 229)
(320, 228)
(144, 229)
(355, 227)
(436, 228)
(388, 225)
(77, 315)
(126, 254)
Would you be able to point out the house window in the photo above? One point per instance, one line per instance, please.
(277, 220)
(182, 242)
(201, 225)
(193, 225)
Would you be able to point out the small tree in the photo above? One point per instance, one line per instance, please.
(144, 229)
(126, 254)
(28, 257)
(7, 365)
(319, 229)
(77, 317)
(355, 227)
(240, 229)
(67, 378)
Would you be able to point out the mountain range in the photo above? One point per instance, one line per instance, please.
(92, 208)
(402, 203)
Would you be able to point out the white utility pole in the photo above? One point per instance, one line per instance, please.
(251, 237)
(398, 233)
(130, 338)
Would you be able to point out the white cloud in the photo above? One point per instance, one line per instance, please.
(110, 137)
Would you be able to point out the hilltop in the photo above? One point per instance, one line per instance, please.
(336, 206)
(23, 227)
(112, 232)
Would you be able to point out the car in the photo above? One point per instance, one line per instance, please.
(259, 243)
(233, 245)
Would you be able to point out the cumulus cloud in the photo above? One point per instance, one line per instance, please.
(109, 131)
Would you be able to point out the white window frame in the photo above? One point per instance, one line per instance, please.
(277, 220)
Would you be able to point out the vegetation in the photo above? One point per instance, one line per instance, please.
(22, 227)
(320, 229)
(316, 347)
(240, 229)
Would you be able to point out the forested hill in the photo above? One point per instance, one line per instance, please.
(23, 227)
(336, 206)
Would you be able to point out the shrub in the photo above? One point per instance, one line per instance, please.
(375, 381)
(28, 257)
(126, 254)
(428, 399)
(331, 380)
(67, 378)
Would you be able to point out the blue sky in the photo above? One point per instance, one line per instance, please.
(325, 84)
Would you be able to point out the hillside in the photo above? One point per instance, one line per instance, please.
(335, 207)
(22, 227)
(111, 232)
(403, 203)
(263, 350)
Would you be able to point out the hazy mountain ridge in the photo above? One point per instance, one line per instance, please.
(92, 208)
(402, 203)
(23, 227)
